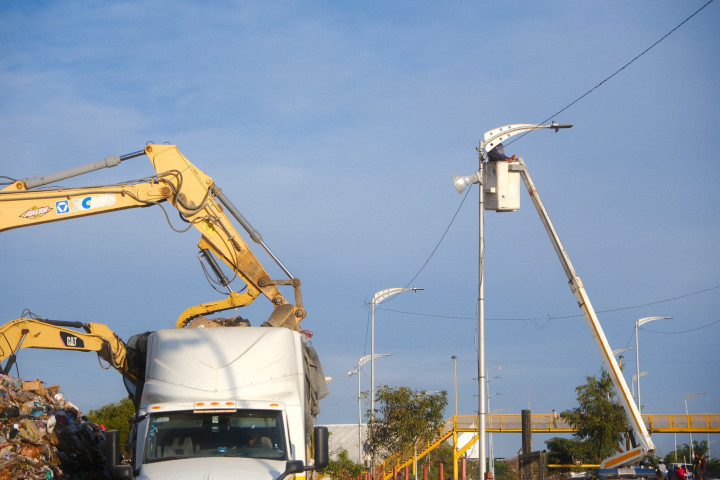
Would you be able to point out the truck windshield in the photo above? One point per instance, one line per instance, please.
(241, 433)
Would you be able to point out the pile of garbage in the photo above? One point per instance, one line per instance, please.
(43, 436)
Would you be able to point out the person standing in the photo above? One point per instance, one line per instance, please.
(702, 470)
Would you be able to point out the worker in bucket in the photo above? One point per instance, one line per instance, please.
(497, 154)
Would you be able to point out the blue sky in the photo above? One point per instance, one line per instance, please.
(335, 127)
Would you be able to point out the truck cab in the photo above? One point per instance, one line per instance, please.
(248, 437)
(225, 403)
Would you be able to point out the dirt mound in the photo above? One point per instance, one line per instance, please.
(44, 436)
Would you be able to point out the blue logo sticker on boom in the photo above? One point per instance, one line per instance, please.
(62, 206)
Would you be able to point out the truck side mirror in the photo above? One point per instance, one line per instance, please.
(321, 447)
(122, 472)
(292, 466)
(112, 457)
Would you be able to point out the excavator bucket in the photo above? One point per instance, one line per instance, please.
(283, 315)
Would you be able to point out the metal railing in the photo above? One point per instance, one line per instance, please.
(543, 422)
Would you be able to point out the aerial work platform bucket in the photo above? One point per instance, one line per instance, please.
(502, 187)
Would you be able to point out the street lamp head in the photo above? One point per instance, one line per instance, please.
(388, 292)
(645, 320)
(687, 397)
(556, 126)
(461, 182)
(620, 350)
(367, 358)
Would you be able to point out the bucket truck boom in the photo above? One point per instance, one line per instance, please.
(642, 445)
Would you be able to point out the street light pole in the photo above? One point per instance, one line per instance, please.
(358, 367)
(377, 298)
(454, 358)
(640, 322)
(481, 323)
(688, 419)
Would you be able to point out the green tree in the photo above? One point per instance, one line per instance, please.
(599, 422)
(115, 416)
(565, 451)
(713, 468)
(443, 453)
(405, 418)
(343, 467)
(682, 453)
(701, 447)
(504, 470)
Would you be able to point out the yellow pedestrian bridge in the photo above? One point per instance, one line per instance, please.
(539, 423)
(543, 422)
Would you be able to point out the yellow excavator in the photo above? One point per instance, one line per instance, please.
(199, 201)
(35, 332)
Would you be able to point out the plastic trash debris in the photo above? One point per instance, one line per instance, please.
(43, 436)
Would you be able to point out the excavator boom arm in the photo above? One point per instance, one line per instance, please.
(196, 197)
(25, 208)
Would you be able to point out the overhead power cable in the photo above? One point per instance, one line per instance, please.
(452, 220)
(563, 317)
(554, 115)
(683, 331)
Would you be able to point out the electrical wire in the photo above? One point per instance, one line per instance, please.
(452, 220)
(615, 73)
(563, 317)
(682, 331)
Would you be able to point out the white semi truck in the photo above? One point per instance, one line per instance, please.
(226, 403)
